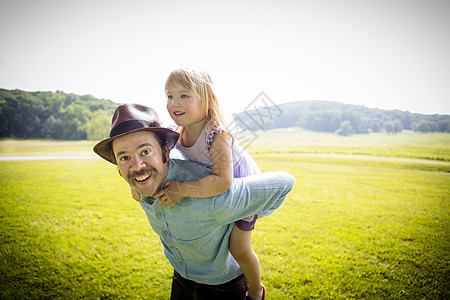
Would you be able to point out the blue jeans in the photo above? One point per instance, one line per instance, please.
(184, 289)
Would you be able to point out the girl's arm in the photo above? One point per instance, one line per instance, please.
(209, 186)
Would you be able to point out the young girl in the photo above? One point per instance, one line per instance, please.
(192, 104)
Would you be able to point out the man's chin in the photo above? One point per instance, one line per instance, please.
(143, 191)
(148, 195)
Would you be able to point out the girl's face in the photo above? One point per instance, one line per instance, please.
(184, 106)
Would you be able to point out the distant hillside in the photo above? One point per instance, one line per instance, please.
(54, 115)
(344, 119)
(57, 115)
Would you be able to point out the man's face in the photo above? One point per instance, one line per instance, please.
(140, 160)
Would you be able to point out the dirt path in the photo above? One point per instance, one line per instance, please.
(367, 157)
(45, 157)
(361, 157)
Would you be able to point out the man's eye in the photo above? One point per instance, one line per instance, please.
(146, 152)
(124, 158)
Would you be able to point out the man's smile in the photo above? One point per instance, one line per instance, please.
(142, 176)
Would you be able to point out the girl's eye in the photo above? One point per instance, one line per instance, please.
(184, 96)
(170, 97)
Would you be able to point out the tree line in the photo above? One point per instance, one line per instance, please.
(61, 116)
(340, 118)
(54, 115)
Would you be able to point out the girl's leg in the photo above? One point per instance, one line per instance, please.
(241, 249)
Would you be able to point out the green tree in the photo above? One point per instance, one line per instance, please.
(434, 126)
(75, 117)
(393, 126)
(398, 126)
(375, 126)
(444, 126)
(19, 113)
(53, 128)
(4, 118)
(345, 129)
(423, 126)
(388, 127)
(97, 127)
(357, 122)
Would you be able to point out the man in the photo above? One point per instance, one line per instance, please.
(195, 232)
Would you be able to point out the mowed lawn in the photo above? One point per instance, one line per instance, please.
(353, 229)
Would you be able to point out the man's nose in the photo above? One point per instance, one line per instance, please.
(137, 163)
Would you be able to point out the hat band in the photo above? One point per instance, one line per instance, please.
(127, 126)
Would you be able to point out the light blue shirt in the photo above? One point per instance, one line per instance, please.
(195, 233)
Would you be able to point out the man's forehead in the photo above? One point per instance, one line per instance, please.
(135, 138)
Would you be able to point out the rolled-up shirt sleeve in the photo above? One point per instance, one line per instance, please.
(252, 195)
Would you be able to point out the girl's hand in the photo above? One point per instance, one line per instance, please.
(171, 194)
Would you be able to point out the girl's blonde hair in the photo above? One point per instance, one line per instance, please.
(200, 83)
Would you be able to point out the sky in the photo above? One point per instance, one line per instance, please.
(388, 54)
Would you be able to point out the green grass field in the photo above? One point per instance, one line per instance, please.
(433, 146)
(350, 229)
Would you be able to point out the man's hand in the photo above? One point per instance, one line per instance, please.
(171, 194)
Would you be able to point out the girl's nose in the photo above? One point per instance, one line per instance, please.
(175, 102)
(175, 99)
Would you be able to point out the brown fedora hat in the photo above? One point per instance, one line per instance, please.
(130, 118)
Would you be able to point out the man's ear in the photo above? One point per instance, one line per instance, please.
(166, 152)
(111, 152)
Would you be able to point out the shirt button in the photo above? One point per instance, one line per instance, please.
(165, 231)
(160, 213)
(180, 263)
